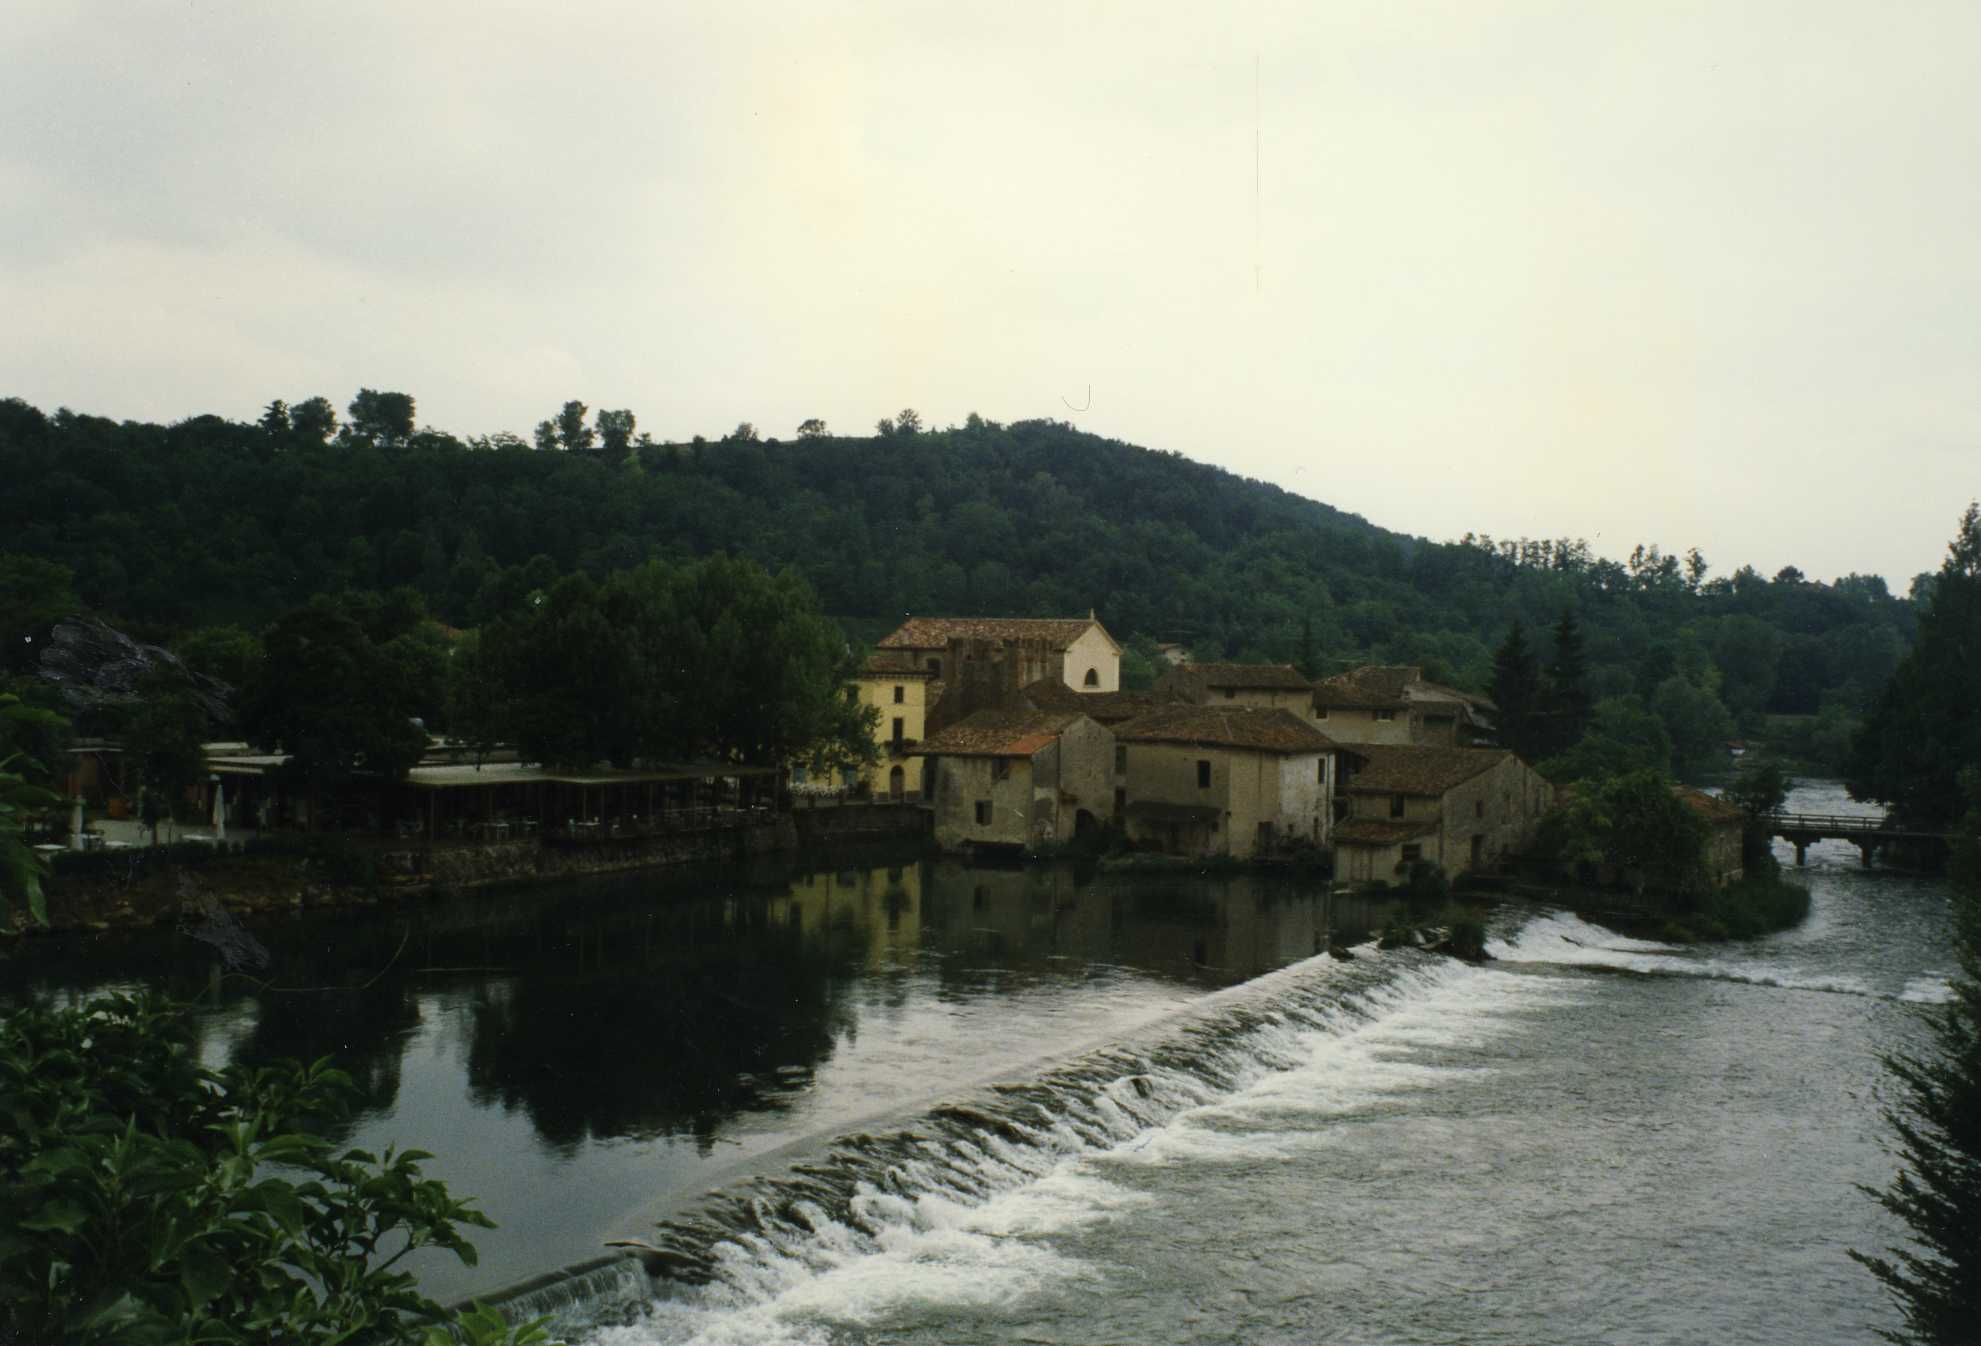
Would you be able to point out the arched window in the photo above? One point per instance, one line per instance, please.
(1093, 678)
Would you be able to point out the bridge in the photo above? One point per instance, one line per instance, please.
(1868, 834)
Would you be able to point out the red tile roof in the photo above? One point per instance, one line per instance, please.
(1411, 770)
(1102, 707)
(933, 633)
(1252, 677)
(999, 733)
(1257, 728)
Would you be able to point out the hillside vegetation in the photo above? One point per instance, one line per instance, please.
(208, 522)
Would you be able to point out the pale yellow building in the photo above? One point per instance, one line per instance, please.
(1217, 780)
(899, 693)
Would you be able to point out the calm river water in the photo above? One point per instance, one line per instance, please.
(914, 1102)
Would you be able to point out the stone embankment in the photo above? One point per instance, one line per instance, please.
(138, 890)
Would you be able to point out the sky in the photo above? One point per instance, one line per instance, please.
(1700, 275)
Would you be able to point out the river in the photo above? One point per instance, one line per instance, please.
(912, 1102)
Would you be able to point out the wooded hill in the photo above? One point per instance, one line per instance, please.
(208, 522)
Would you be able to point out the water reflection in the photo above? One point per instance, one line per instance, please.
(571, 1051)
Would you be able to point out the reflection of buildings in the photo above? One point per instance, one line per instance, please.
(883, 904)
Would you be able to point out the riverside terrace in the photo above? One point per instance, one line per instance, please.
(499, 801)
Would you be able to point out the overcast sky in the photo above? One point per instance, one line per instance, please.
(1694, 274)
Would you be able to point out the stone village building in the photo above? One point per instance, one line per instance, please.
(1214, 780)
(1393, 703)
(1018, 779)
(931, 672)
(1274, 686)
(1460, 808)
(1726, 829)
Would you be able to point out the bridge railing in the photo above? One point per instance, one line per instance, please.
(1827, 822)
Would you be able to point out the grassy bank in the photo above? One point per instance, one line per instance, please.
(1758, 905)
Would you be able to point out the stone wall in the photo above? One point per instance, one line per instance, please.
(858, 822)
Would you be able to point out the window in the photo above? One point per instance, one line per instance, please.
(1120, 757)
(1321, 770)
(1412, 853)
(899, 693)
(1385, 715)
(1230, 693)
(1320, 712)
(899, 726)
(983, 813)
(1396, 806)
(1478, 808)
(935, 667)
(1093, 678)
(1000, 768)
(1203, 775)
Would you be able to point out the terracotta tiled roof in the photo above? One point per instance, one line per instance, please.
(1409, 770)
(999, 733)
(932, 633)
(891, 666)
(1364, 689)
(1380, 831)
(1253, 677)
(1710, 807)
(1258, 728)
(1102, 707)
(1388, 687)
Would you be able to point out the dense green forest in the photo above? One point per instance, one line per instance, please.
(209, 523)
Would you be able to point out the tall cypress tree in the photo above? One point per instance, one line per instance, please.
(1517, 691)
(1926, 728)
(1937, 1120)
(1568, 685)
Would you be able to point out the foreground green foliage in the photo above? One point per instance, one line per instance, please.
(147, 1199)
(1936, 1120)
(24, 794)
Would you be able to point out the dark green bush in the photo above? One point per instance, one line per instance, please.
(145, 1198)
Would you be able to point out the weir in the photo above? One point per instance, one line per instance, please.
(848, 1196)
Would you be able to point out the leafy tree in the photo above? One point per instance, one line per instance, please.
(908, 422)
(884, 427)
(1636, 823)
(224, 652)
(474, 697)
(34, 595)
(567, 677)
(275, 418)
(381, 417)
(313, 419)
(1747, 651)
(572, 432)
(615, 430)
(1926, 728)
(330, 699)
(148, 1198)
(546, 437)
(1623, 737)
(1698, 724)
(163, 733)
(744, 433)
(1760, 789)
(1936, 1119)
(811, 428)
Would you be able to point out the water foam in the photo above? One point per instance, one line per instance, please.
(1932, 988)
(956, 1210)
(1567, 940)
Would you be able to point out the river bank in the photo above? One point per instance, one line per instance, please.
(269, 876)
